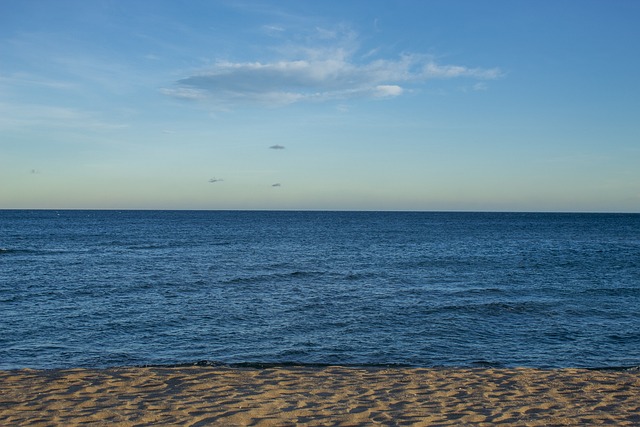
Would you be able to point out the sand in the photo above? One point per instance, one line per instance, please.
(331, 396)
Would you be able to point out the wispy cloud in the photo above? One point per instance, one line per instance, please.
(327, 68)
(184, 93)
(480, 86)
(273, 30)
(30, 80)
(32, 116)
(433, 70)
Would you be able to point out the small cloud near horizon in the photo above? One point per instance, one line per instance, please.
(277, 147)
(276, 185)
(212, 180)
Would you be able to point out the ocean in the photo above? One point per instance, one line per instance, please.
(429, 289)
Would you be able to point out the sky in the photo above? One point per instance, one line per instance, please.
(427, 105)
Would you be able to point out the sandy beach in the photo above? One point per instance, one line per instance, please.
(335, 396)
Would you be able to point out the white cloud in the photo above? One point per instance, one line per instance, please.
(385, 91)
(317, 74)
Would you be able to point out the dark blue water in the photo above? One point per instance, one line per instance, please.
(108, 288)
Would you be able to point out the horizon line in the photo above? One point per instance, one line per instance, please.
(323, 210)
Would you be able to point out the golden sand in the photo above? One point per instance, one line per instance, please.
(332, 396)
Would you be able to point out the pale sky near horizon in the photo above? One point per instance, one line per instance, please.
(497, 105)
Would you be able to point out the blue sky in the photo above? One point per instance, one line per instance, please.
(360, 105)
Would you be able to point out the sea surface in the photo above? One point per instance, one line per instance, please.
(114, 288)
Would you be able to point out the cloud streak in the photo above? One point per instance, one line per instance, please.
(317, 74)
(32, 116)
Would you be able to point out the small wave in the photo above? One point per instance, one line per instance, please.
(612, 291)
(486, 364)
(483, 364)
(276, 365)
(301, 275)
(147, 247)
(635, 368)
(7, 251)
(210, 363)
(35, 252)
(495, 308)
(623, 337)
(274, 276)
(361, 276)
(484, 291)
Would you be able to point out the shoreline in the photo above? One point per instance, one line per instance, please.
(324, 395)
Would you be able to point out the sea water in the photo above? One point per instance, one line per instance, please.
(113, 288)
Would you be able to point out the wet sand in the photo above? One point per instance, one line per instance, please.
(331, 396)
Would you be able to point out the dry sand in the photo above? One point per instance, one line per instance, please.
(332, 396)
